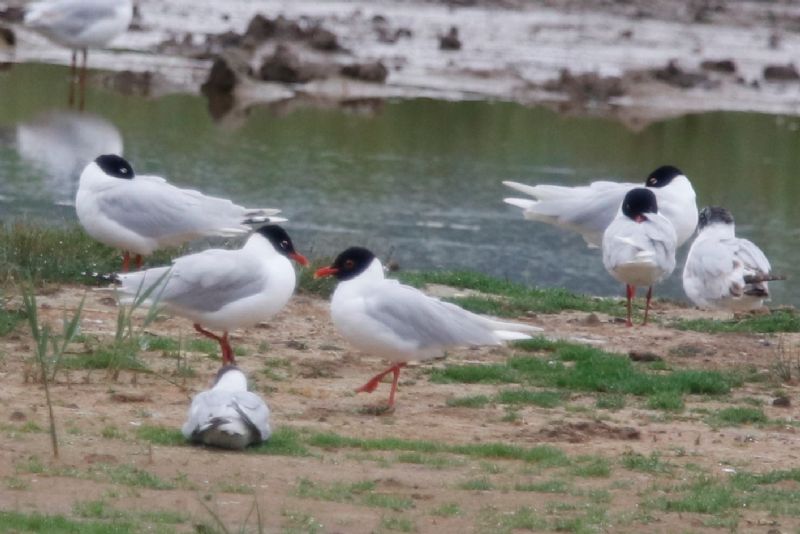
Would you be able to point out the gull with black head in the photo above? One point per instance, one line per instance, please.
(383, 317)
(589, 209)
(223, 289)
(228, 415)
(140, 214)
(723, 271)
(639, 246)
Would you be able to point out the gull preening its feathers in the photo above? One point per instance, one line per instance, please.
(639, 246)
(227, 415)
(724, 271)
(224, 289)
(589, 209)
(140, 214)
(385, 318)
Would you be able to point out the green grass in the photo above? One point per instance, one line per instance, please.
(492, 520)
(776, 321)
(548, 486)
(168, 344)
(517, 298)
(737, 415)
(668, 401)
(129, 475)
(9, 320)
(111, 356)
(582, 368)
(448, 509)
(362, 492)
(543, 399)
(477, 484)
(436, 461)
(16, 522)
(397, 524)
(474, 401)
(541, 454)
(610, 401)
(284, 441)
(59, 254)
(592, 467)
(161, 435)
(647, 464)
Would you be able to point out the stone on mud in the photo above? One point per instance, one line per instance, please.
(373, 71)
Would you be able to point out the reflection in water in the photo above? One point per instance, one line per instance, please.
(60, 144)
(424, 177)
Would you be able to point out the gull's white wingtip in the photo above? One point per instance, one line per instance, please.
(522, 188)
(523, 203)
(259, 220)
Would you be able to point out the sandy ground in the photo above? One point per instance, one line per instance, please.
(509, 50)
(307, 374)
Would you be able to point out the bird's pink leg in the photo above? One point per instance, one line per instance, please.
(139, 261)
(372, 385)
(126, 261)
(83, 82)
(73, 72)
(630, 293)
(647, 306)
(396, 371)
(227, 351)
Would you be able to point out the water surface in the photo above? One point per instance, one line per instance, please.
(420, 178)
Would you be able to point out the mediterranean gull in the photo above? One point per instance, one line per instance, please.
(400, 323)
(589, 209)
(140, 214)
(639, 245)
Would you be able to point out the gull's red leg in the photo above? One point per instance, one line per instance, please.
(647, 306)
(83, 82)
(630, 292)
(227, 352)
(126, 261)
(73, 71)
(372, 385)
(139, 261)
(396, 371)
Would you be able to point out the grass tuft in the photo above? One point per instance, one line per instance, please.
(737, 415)
(776, 321)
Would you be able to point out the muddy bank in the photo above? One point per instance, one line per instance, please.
(636, 60)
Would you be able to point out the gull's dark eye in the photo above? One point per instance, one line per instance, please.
(123, 170)
(349, 264)
(652, 180)
(284, 244)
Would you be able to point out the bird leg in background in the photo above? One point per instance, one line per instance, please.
(630, 293)
(126, 261)
(139, 261)
(73, 77)
(227, 351)
(370, 386)
(647, 306)
(83, 81)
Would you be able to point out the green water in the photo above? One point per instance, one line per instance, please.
(420, 178)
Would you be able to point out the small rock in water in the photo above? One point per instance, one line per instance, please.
(781, 73)
(7, 36)
(450, 40)
(322, 39)
(374, 71)
(287, 67)
(726, 66)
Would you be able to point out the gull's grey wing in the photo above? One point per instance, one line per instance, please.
(587, 209)
(69, 17)
(626, 241)
(159, 210)
(205, 282)
(752, 257)
(254, 412)
(213, 408)
(422, 321)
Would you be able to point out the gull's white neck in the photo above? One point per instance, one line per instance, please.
(260, 245)
(373, 272)
(679, 187)
(93, 177)
(232, 380)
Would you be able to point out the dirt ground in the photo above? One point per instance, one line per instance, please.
(307, 374)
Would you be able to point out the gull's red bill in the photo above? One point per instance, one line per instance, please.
(299, 258)
(325, 271)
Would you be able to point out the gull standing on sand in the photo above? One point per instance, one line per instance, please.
(723, 271)
(140, 214)
(224, 289)
(589, 209)
(227, 415)
(639, 246)
(400, 323)
(80, 25)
